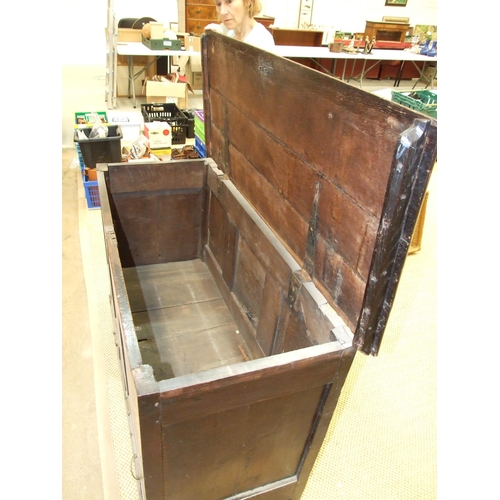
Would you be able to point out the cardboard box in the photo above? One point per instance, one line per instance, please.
(129, 35)
(167, 92)
(194, 73)
(161, 44)
(122, 81)
(159, 134)
(190, 42)
(335, 47)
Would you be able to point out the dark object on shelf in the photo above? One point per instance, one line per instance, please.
(100, 150)
(167, 112)
(190, 129)
(244, 283)
(135, 22)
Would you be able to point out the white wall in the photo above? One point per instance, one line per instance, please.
(84, 41)
(349, 15)
(83, 32)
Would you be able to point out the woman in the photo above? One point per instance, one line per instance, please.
(237, 21)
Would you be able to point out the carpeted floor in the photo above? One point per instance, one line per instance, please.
(381, 443)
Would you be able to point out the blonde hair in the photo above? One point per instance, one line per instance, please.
(253, 6)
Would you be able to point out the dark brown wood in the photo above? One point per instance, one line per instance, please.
(199, 13)
(408, 181)
(150, 426)
(243, 283)
(275, 159)
(297, 37)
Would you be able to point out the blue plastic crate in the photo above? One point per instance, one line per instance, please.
(91, 193)
(80, 158)
(200, 148)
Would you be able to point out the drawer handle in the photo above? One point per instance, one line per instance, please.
(198, 11)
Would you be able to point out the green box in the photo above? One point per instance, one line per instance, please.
(165, 44)
(424, 101)
(85, 119)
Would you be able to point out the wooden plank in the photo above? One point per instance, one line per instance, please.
(322, 423)
(271, 315)
(222, 240)
(151, 435)
(346, 228)
(270, 250)
(156, 176)
(238, 449)
(158, 227)
(249, 278)
(296, 335)
(342, 286)
(169, 284)
(192, 396)
(237, 311)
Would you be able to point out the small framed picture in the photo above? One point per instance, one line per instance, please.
(396, 3)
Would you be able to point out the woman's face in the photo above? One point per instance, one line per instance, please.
(231, 12)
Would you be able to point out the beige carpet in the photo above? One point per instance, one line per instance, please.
(381, 444)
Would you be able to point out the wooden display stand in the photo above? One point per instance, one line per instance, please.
(302, 38)
(393, 32)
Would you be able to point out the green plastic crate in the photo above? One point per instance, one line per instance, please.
(162, 44)
(427, 104)
(199, 131)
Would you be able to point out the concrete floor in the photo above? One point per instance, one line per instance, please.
(81, 465)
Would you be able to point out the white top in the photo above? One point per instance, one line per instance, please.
(258, 37)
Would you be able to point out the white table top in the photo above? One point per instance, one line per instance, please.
(324, 53)
(139, 49)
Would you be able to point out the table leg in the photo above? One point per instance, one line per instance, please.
(362, 74)
(133, 84)
(130, 74)
(422, 76)
(400, 74)
(343, 71)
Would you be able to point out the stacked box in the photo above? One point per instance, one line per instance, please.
(170, 113)
(199, 133)
(90, 187)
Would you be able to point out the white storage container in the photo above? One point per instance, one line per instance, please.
(130, 122)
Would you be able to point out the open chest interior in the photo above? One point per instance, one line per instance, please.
(242, 284)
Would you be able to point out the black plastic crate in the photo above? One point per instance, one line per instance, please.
(105, 150)
(167, 112)
(190, 129)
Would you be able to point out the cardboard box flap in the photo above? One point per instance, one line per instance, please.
(167, 89)
(338, 174)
